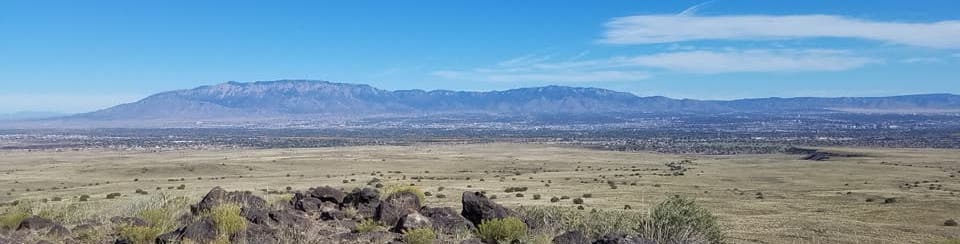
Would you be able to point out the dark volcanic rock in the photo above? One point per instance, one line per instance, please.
(365, 200)
(172, 237)
(396, 206)
(257, 233)
(447, 220)
(411, 221)
(42, 226)
(256, 216)
(326, 194)
(306, 203)
(202, 231)
(286, 218)
(476, 208)
(572, 237)
(218, 196)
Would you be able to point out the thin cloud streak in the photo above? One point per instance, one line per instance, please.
(652, 29)
(640, 67)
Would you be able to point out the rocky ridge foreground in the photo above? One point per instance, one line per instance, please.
(317, 215)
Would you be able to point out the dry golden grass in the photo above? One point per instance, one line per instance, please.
(803, 201)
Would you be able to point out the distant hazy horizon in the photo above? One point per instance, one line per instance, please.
(71, 57)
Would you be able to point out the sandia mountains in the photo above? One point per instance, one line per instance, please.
(322, 100)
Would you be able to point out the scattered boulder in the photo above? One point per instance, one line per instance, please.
(306, 203)
(477, 207)
(331, 211)
(572, 237)
(889, 200)
(326, 194)
(396, 206)
(172, 237)
(257, 233)
(286, 218)
(202, 231)
(218, 196)
(256, 215)
(950, 222)
(43, 226)
(413, 221)
(447, 220)
(365, 201)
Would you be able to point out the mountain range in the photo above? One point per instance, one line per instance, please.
(308, 99)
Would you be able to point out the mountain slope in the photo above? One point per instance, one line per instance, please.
(321, 99)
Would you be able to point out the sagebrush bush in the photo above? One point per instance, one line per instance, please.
(675, 220)
(419, 236)
(161, 219)
(140, 234)
(680, 219)
(502, 230)
(594, 224)
(11, 219)
(578, 200)
(396, 189)
(368, 225)
(228, 219)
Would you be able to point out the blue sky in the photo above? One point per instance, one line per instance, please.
(76, 56)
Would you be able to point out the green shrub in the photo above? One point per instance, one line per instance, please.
(419, 236)
(578, 200)
(368, 225)
(536, 196)
(161, 219)
(228, 220)
(397, 189)
(113, 195)
(141, 234)
(83, 198)
(604, 221)
(11, 220)
(502, 230)
(680, 219)
(554, 199)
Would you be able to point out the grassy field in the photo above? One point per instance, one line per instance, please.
(759, 198)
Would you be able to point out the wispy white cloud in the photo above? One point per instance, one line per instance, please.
(921, 60)
(752, 61)
(649, 29)
(693, 9)
(543, 76)
(639, 67)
